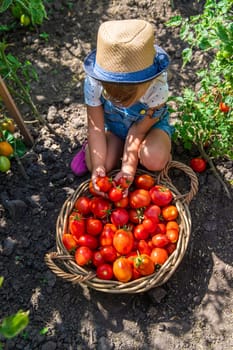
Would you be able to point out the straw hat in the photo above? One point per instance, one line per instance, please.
(126, 53)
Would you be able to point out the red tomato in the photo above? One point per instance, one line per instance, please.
(119, 217)
(144, 181)
(144, 264)
(172, 235)
(170, 212)
(224, 107)
(144, 247)
(198, 164)
(134, 216)
(109, 253)
(123, 241)
(123, 182)
(153, 212)
(159, 256)
(150, 225)
(170, 248)
(76, 225)
(104, 272)
(115, 194)
(82, 205)
(122, 269)
(91, 189)
(104, 183)
(83, 256)
(122, 203)
(140, 232)
(161, 195)
(139, 198)
(160, 240)
(100, 207)
(106, 236)
(98, 258)
(161, 228)
(88, 241)
(93, 226)
(69, 241)
(136, 274)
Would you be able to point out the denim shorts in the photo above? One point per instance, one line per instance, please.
(118, 120)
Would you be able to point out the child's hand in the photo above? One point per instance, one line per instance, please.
(99, 171)
(124, 180)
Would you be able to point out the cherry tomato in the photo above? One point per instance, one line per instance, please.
(144, 181)
(83, 256)
(144, 264)
(134, 216)
(139, 198)
(119, 217)
(82, 204)
(159, 256)
(161, 195)
(115, 194)
(170, 248)
(170, 212)
(106, 236)
(69, 241)
(109, 253)
(88, 241)
(104, 272)
(160, 240)
(140, 232)
(224, 107)
(122, 269)
(144, 247)
(5, 164)
(104, 183)
(94, 226)
(150, 225)
(100, 207)
(76, 225)
(172, 224)
(172, 235)
(98, 258)
(122, 203)
(123, 241)
(161, 228)
(124, 182)
(198, 164)
(91, 189)
(153, 212)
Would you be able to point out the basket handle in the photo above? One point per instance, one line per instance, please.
(163, 175)
(49, 260)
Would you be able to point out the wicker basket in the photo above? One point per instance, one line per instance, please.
(63, 264)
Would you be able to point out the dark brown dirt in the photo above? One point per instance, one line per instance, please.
(193, 310)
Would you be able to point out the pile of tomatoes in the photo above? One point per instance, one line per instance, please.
(123, 238)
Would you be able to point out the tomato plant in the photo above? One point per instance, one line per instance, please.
(224, 107)
(198, 164)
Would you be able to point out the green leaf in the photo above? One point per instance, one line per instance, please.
(204, 44)
(175, 21)
(20, 148)
(14, 324)
(222, 32)
(4, 5)
(187, 55)
(44, 330)
(1, 281)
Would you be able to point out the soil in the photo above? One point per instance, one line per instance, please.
(193, 309)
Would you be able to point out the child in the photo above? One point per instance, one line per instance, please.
(125, 91)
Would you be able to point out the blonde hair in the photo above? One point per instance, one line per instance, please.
(124, 94)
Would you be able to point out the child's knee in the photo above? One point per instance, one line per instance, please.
(154, 162)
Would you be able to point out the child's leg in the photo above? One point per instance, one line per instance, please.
(155, 150)
(115, 147)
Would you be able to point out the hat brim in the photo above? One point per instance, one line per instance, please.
(160, 64)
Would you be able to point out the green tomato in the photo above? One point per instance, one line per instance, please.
(226, 54)
(25, 20)
(5, 164)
